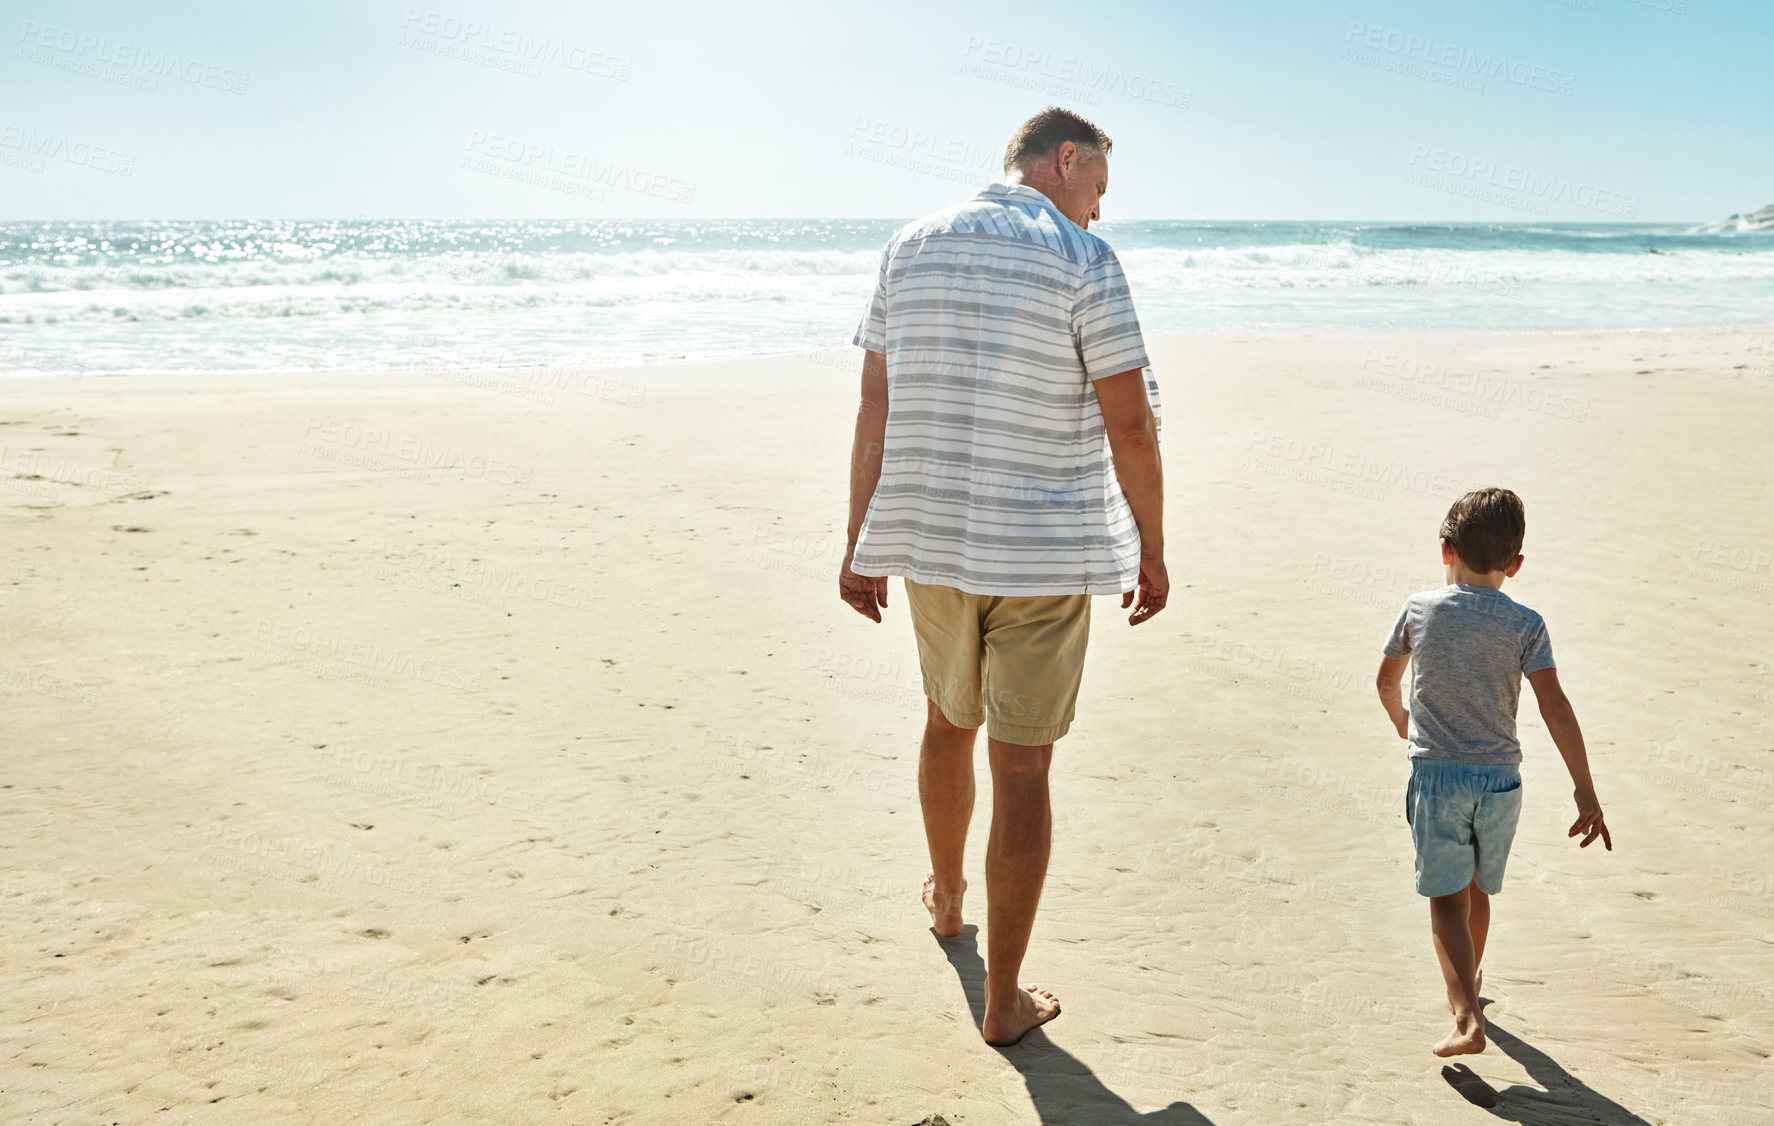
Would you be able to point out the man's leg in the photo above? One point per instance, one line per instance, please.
(1450, 922)
(1016, 868)
(945, 790)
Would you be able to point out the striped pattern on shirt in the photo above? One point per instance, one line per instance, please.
(996, 476)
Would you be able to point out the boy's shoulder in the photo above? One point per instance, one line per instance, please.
(1485, 602)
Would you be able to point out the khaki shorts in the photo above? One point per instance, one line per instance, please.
(1011, 662)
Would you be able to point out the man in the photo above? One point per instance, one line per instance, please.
(1006, 467)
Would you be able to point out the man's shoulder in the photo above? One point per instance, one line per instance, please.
(1000, 220)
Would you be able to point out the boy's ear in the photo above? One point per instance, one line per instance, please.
(1514, 566)
(1447, 552)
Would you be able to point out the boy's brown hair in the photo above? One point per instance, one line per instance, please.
(1485, 528)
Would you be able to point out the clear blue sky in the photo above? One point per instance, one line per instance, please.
(1294, 109)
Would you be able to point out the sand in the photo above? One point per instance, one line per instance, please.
(429, 747)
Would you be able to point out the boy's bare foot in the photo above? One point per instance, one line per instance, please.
(1467, 1038)
(1034, 1006)
(944, 907)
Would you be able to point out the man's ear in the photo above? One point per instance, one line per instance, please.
(1067, 155)
(1514, 566)
(1447, 552)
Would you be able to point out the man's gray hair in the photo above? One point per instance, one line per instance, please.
(1048, 130)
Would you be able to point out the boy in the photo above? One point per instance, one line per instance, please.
(1473, 643)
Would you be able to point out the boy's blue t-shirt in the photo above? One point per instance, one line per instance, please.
(1469, 647)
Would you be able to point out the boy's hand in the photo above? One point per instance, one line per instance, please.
(1390, 682)
(1589, 820)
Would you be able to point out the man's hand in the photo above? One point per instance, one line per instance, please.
(1154, 591)
(866, 594)
(1401, 720)
(1589, 820)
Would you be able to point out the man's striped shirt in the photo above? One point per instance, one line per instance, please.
(996, 476)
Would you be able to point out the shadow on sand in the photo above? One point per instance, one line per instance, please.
(1060, 1086)
(1565, 1099)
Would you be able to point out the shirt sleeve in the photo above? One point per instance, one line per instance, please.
(871, 333)
(1536, 650)
(1104, 325)
(1399, 644)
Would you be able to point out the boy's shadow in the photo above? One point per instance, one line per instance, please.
(1565, 1099)
(1062, 1088)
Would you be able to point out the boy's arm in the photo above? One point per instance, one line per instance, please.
(1561, 721)
(1390, 683)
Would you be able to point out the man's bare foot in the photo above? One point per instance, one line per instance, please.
(1034, 1006)
(1467, 1038)
(944, 907)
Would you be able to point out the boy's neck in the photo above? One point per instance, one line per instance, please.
(1459, 573)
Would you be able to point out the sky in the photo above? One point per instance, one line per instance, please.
(1605, 110)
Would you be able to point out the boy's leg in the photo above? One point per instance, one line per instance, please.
(1450, 923)
(1478, 921)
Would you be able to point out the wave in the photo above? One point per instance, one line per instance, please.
(372, 295)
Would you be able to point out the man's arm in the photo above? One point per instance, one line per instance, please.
(1133, 444)
(1390, 683)
(867, 595)
(1561, 721)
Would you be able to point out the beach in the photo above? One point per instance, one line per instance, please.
(450, 746)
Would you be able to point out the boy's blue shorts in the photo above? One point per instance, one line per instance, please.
(1462, 817)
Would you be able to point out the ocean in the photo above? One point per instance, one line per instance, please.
(104, 298)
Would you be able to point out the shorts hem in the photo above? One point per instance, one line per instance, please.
(1027, 736)
(1452, 891)
(957, 717)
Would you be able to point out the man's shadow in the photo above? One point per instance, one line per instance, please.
(1062, 1088)
(1565, 1098)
